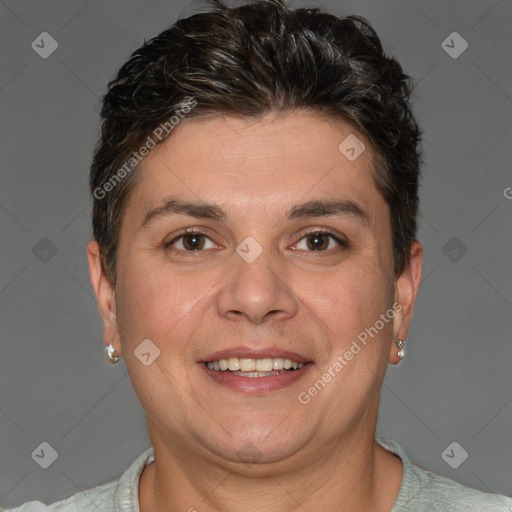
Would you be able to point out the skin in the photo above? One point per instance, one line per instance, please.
(319, 456)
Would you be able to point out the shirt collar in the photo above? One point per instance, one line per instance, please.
(127, 492)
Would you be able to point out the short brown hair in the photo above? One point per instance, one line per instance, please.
(248, 61)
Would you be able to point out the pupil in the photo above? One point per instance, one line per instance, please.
(317, 241)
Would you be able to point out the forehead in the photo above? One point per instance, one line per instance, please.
(271, 162)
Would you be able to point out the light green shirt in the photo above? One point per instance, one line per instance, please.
(420, 491)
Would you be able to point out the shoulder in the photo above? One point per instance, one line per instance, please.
(119, 495)
(97, 498)
(423, 491)
(443, 492)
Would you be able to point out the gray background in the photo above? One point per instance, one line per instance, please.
(55, 386)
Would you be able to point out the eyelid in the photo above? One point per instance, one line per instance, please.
(340, 239)
(188, 231)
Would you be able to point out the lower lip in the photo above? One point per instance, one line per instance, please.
(256, 385)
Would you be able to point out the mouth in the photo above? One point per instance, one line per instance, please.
(246, 367)
(255, 372)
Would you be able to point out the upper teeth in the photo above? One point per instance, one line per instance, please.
(266, 364)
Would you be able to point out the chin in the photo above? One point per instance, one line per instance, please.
(269, 440)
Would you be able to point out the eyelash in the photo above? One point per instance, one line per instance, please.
(192, 231)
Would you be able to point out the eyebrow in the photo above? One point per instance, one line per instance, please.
(310, 209)
(340, 207)
(173, 206)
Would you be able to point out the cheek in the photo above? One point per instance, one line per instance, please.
(348, 306)
(158, 304)
(351, 297)
(163, 304)
(164, 307)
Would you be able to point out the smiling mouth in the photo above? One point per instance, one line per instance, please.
(264, 367)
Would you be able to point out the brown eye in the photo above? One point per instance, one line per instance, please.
(318, 241)
(190, 242)
(193, 242)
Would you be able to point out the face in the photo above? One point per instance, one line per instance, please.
(287, 255)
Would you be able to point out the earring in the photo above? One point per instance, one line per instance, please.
(401, 345)
(109, 354)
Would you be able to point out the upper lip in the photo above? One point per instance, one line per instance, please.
(254, 353)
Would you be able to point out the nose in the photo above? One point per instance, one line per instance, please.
(256, 291)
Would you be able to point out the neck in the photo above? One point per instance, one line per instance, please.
(351, 473)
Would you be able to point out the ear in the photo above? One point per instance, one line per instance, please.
(406, 290)
(105, 295)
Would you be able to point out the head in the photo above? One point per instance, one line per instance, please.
(290, 138)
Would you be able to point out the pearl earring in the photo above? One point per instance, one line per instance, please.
(401, 345)
(109, 354)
